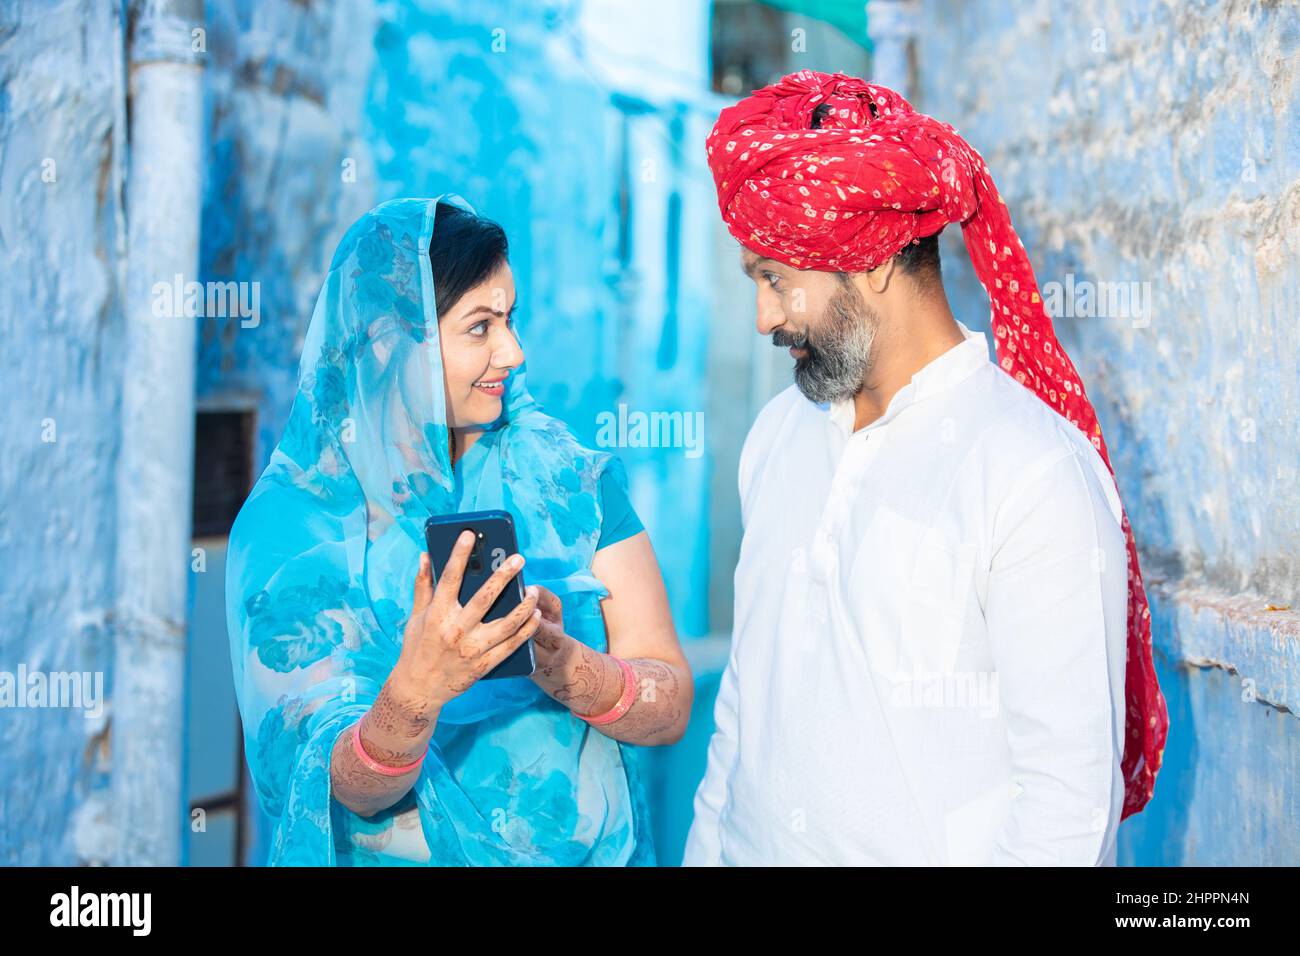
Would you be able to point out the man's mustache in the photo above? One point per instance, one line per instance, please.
(784, 340)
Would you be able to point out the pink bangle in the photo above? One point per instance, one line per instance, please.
(624, 702)
(379, 767)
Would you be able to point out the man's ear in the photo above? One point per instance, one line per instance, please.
(878, 279)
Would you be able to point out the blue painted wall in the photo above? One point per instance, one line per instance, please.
(1159, 143)
(62, 234)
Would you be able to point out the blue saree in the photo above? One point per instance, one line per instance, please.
(319, 580)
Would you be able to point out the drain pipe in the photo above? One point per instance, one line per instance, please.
(155, 467)
(892, 25)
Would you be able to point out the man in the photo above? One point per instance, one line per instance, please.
(942, 648)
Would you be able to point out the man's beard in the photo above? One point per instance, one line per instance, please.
(839, 351)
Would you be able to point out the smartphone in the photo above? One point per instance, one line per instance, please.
(494, 541)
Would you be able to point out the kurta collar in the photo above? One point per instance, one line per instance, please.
(936, 375)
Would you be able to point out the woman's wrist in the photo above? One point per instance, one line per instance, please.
(612, 685)
(398, 726)
(601, 715)
(555, 653)
(382, 761)
(589, 682)
(410, 696)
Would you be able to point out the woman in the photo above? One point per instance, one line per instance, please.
(370, 736)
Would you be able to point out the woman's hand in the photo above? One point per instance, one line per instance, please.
(446, 647)
(570, 672)
(552, 648)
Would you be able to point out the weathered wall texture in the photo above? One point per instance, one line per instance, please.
(286, 175)
(62, 236)
(1159, 144)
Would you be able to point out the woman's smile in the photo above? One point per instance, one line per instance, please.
(479, 348)
(495, 387)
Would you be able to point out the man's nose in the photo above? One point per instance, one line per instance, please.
(770, 314)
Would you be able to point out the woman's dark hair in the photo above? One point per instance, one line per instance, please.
(464, 251)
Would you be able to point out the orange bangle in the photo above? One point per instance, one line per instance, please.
(624, 702)
(373, 764)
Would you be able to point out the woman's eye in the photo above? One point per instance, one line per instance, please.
(478, 329)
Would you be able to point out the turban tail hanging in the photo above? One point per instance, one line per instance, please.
(846, 196)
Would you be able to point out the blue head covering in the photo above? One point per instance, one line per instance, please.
(320, 576)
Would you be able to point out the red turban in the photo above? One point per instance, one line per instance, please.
(845, 197)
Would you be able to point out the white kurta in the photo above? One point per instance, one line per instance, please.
(927, 665)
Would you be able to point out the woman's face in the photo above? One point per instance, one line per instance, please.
(479, 350)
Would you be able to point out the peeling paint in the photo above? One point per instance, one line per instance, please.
(62, 238)
(1160, 142)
